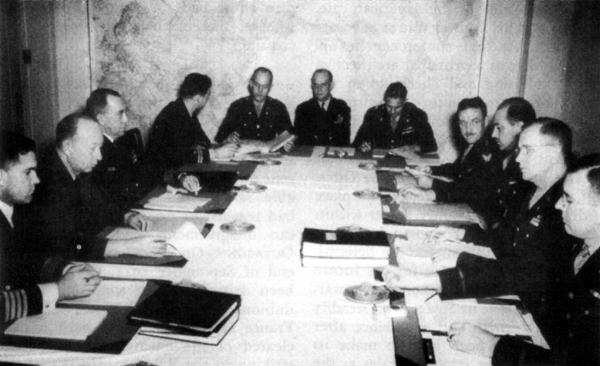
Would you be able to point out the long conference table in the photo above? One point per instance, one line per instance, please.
(290, 315)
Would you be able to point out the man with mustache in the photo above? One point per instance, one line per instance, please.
(68, 209)
(576, 318)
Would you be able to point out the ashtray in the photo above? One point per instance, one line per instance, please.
(253, 188)
(366, 194)
(270, 162)
(368, 166)
(237, 227)
(366, 293)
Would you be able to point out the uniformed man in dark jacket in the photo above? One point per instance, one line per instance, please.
(257, 116)
(322, 120)
(29, 282)
(576, 318)
(531, 250)
(396, 123)
(118, 174)
(473, 174)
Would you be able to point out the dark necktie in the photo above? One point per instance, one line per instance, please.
(323, 107)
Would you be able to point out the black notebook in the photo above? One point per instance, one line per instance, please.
(345, 244)
(185, 308)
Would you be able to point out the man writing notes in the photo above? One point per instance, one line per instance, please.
(69, 210)
(176, 137)
(396, 123)
(322, 120)
(530, 249)
(577, 298)
(29, 283)
(257, 116)
(473, 174)
(118, 173)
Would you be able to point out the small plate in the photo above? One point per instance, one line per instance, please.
(237, 227)
(366, 194)
(354, 294)
(270, 162)
(368, 166)
(253, 188)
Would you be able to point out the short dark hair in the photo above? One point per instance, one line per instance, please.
(97, 102)
(395, 90)
(67, 127)
(591, 163)
(263, 70)
(476, 103)
(323, 71)
(194, 84)
(559, 131)
(519, 110)
(12, 146)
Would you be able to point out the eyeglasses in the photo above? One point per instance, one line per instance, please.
(320, 86)
(529, 149)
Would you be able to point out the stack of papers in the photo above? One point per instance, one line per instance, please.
(176, 202)
(67, 324)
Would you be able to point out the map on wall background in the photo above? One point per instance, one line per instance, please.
(144, 49)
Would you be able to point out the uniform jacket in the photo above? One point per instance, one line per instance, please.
(474, 175)
(20, 271)
(413, 128)
(173, 139)
(316, 127)
(66, 215)
(577, 319)
(241, 118)
(531, 255)
(118, 173)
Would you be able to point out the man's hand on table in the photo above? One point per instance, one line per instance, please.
(288, 146)
(190, 183)
(448, 233)
(399, 279)
(137, 221)
(478, 219)
(444, 259)
(365, 147)
(142, 246)
(78, 283)
(224, 152)
(412, 192)
(472, 339)
(233, 138)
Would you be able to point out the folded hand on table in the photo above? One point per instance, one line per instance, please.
(365, 147)
(233, 138)
(137, 221)
(472, 339)
(444, 259)
(448, 233)
(225, 152)
(413, 193)
(399, 279)
(288, 146)
(78, 284)
(190, 183)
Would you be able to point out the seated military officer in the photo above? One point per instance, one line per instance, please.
(118, 173)
(29, 282)
(257, 116)
(576, 306)
(322, 120)
(396, 123)
(530, 249)
(473, 174)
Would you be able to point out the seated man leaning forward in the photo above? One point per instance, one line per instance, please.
(176, 137)
(30, 283)
(531, 248)
(577, 301)
(396, 123)
(322, 120)
(472, 176)
(257, 116)
(70, 211)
